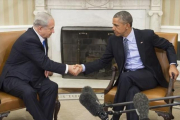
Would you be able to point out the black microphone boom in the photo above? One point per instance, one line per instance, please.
(93, 105)
(90, 101)
(131, 102)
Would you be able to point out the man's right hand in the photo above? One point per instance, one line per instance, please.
(74, 69)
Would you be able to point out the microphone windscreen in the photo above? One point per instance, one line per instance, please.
(89, 90)
(141, 103)
(90, 103)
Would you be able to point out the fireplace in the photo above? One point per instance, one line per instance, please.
(85, 44)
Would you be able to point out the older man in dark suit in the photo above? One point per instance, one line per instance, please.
(134, 52)
(25, 73)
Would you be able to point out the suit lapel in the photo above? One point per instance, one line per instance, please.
(140, 44)
(38, 40)
(120, 48)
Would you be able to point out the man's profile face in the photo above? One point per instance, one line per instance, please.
(48, 30)
(119, 27)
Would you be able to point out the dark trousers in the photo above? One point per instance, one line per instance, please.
(129, 84)
(40, 110)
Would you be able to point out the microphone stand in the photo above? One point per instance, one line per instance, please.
(131, 110)
(152, 107)
(150, 100)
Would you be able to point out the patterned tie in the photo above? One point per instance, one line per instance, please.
(44, 45)
(126, 48)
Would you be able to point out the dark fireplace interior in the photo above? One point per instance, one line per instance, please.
(85, 44)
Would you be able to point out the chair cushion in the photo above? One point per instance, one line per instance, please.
(157, 92)
(109, 97)
(9, 102)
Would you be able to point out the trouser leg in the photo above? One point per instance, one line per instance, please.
(23, 90)
(132, 115)
(48, 94)
(143, 79)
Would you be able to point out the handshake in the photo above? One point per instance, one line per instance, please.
(75, 69)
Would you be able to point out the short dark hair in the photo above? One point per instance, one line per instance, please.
(124, 16)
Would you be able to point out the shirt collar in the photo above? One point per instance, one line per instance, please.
(130, 37)
(41, 38)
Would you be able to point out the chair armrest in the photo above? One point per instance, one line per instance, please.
(110, 85)
(170, 89)
(0, 99)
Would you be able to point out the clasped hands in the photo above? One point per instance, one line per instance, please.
(75, 69)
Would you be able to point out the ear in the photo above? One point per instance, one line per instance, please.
(128, 26)
(39, 28)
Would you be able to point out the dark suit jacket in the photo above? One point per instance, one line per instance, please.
(27, 60)
(146, 40)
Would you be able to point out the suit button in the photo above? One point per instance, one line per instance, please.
(39, 84)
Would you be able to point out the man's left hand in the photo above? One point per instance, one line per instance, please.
(173, 72)
(48, 73)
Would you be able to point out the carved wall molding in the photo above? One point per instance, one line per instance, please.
(156, 5)
(151, 13)
(153, 7)
(98, 4)
(156, 2)
(39, 6)
(39, 2)
(155, 14)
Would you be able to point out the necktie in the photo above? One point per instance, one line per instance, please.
(44, 45)
(126, 48)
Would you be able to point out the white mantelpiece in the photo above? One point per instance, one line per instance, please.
(153, 7)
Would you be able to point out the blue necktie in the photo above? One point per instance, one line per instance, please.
(126, 48)
(44, 45)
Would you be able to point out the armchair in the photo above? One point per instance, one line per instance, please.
(158, 92)
(8, 102)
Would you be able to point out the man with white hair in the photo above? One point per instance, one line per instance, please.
(25, 73)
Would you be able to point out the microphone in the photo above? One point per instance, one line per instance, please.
(141, 103)
(91, 103)
(89, 90)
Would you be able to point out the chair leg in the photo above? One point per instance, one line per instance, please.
(56, 109)
(166, 116)
(171, 108)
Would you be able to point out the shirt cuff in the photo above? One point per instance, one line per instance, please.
(174, 64)
(66, 71)
(84, 68)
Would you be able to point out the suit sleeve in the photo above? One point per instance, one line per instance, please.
(102, 62)
(164, 44)
(34, 52)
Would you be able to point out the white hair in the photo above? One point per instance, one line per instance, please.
(41, 19)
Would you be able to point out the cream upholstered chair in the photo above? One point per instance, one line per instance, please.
(158, 92)
(8, 102)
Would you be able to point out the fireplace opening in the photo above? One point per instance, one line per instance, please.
(85, 44)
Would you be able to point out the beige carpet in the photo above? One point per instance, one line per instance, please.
(73, 110)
